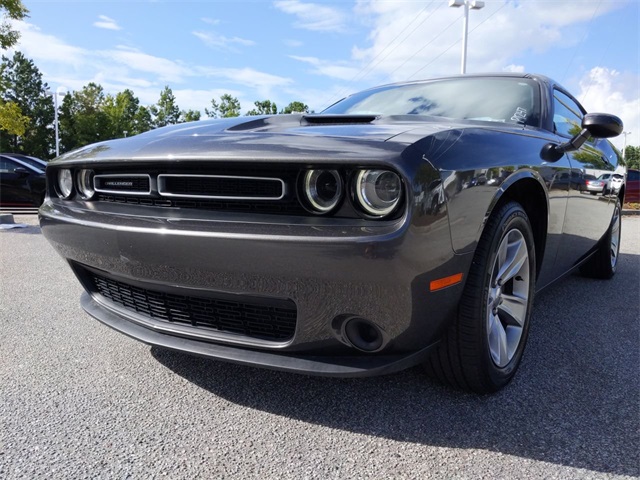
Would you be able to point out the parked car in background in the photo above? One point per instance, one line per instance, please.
(593, 185)
(632, 193)
(613, 182)
(22, 181)
(344, 243)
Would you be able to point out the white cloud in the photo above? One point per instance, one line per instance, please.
(214, 40)
(610, 91)
(124, 67)
(293, 43)
(210, 21)
(263, 83)
(313, 16)
(406, 38)
(40, 46)
(341, 71)
(166, 70)
(107, 23)
(514, 68)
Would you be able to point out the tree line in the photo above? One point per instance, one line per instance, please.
(90, 114)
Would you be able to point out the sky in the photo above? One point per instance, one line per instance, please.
(318, 52)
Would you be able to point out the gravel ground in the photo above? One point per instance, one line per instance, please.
(78, 400)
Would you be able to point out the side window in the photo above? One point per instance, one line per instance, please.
(567, 116)
(633, 175)
(7, 166)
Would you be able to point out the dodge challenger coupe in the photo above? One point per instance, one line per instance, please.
(407, 224)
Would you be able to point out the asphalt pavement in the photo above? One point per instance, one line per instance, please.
(78, 400)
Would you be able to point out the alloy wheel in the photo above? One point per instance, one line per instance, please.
(508, 298)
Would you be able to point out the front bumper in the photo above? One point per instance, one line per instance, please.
(331, 272)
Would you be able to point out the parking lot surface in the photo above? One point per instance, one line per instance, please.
(79, 400)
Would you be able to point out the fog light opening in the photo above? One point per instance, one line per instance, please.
(363, 335)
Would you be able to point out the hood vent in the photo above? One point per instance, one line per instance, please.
(337, 119)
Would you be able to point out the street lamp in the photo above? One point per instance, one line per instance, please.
(474, 5)
(624, 149)
(55, 114)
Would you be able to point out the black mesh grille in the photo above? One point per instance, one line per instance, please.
(223, 186)
(123, 183)
(267, 322)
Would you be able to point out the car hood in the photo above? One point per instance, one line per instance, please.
(265, 138)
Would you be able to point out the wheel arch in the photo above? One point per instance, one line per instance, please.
(528, 189)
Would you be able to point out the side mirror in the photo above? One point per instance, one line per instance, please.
(602, 125)
(598, 125)
(21, 171)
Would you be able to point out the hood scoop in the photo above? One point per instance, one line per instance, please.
(337, 119)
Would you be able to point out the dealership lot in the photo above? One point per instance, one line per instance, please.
(79, 400)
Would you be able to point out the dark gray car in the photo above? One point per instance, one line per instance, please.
(347, 243)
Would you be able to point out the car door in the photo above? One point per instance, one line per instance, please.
(587, 217)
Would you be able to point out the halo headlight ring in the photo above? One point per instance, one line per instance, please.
(85, 184)
(377, 192)
(64, 184)
(322, 190)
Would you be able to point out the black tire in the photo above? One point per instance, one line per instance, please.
(603, 263)
(463, 358)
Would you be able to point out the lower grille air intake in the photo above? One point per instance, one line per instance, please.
(274, 320)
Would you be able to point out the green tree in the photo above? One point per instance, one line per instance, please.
(121, 111)
(11, 119)
(632, 157)
(142, 121)
(10, 10)
(166, 111)
(296, 107)
(228, 107)
(21, 84)
(266, 107)
(189, 116)
(83, 119)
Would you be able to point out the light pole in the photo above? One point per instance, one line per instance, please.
(55, 115)
(474, 5)
(624, 149)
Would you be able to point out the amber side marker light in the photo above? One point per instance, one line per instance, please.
(445, 282)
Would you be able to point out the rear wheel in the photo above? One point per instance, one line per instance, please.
(483, 348)
(604, 262)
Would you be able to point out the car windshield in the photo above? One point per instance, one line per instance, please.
(493, 99)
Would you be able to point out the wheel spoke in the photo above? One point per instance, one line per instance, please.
(513, 310)
(498, 341)
(515, 258)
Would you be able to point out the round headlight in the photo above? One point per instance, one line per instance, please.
(322, 189)
(378, 191)
(85, 184)
(65, 183)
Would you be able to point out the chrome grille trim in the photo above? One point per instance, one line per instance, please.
(122, 192)
(163, 192)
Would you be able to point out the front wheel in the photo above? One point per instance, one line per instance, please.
(483, 347)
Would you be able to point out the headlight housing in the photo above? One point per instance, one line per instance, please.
(65, 183)
(378, 192)
(85, 184)
(322, 189)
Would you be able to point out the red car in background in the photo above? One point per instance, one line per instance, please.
(632, 190)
